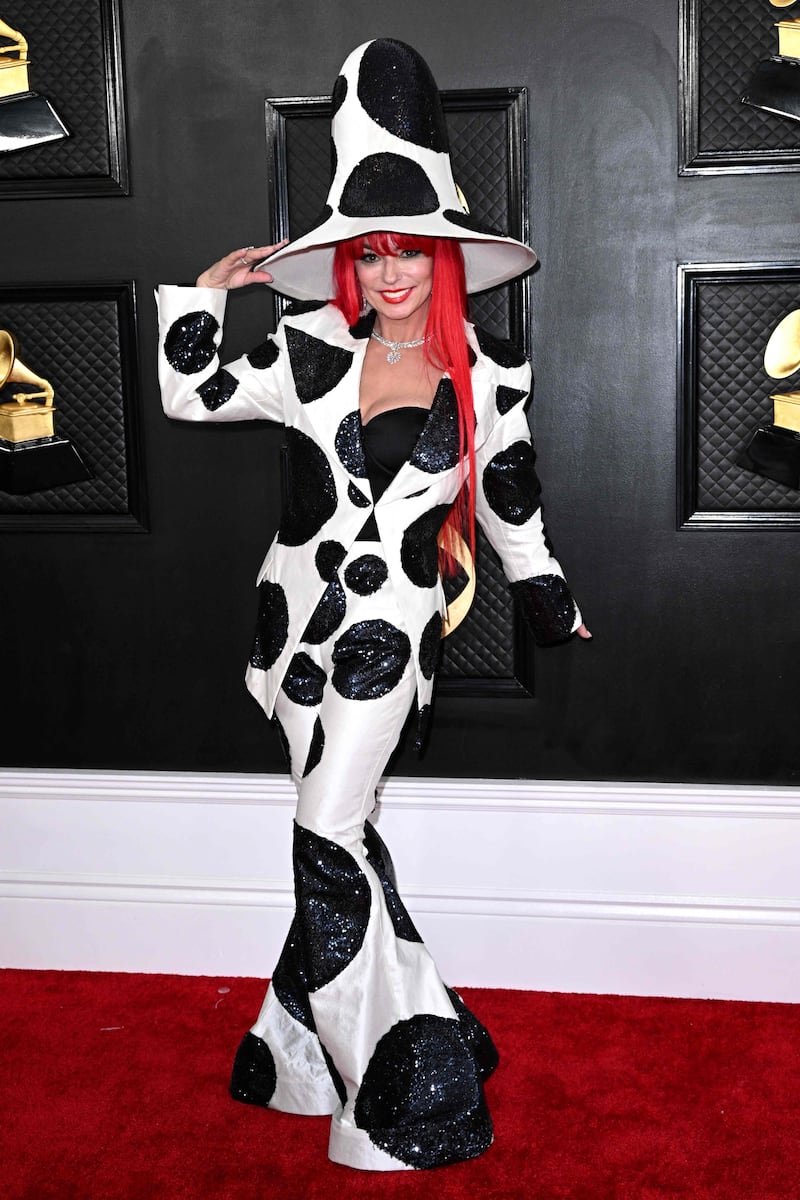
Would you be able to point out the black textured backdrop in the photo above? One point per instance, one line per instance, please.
(135, 646)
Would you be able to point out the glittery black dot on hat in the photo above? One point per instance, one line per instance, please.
(397, 89)
(272, 626)
(511, 485)
(388, 185)
(338, 94)
(317, 367)
(466, 221)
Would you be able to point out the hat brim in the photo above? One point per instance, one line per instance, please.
(304, 268)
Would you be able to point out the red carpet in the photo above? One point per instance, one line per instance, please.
(115, 1089)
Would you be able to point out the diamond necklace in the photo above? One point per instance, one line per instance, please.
(394, 348)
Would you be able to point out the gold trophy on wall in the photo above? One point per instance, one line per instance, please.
(774, 450)
(775, 84)
(26, 118)
(32, 456)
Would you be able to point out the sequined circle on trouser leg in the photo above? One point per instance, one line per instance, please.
(358, 1022)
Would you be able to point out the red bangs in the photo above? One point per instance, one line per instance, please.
(389, 243)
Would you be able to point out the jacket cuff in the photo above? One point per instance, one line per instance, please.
(546, 603)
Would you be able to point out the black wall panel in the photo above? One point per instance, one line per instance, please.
(128, 652)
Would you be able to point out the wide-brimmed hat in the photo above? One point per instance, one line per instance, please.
(392, 172)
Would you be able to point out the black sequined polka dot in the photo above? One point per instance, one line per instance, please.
(272, 625)
(304, 681)
(217, 390)
(296, 308)
(511, 484)
(503, 353)
(333, 905)
(327, 616)
(399, 93)
(311, 495)
(437, 447)
(381, 862)
(349, 446)
(475, 1035)
(289, 979)
(419, 553)
(328, 559)
(388, 185)
(507, 397)
(357, 497)
(365, 574)
(263, 356)
(317, 367)
(467, 221)
(189, 345)
(315, 749)
(421, 1099)
(547, 606)
(369, 660)
(253, 1078)
(363, 327)
(338, 95)
(430, 645)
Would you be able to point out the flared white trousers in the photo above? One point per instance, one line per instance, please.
(356, 1021)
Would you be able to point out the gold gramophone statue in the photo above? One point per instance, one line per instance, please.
(32, 456)
(26, 118)
(774, 450)
(775, 84)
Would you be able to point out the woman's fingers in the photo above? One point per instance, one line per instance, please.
(235, 270)
(583, 632)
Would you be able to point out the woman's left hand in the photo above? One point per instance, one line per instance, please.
(583, 632)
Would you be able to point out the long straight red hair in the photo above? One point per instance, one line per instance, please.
(445, 349)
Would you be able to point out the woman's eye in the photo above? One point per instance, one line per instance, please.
(410, 253)
(369, 257)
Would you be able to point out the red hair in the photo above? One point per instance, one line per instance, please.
(445, 349)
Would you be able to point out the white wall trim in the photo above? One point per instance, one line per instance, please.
(639, 888)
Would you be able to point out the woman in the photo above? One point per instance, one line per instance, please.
(391, 402)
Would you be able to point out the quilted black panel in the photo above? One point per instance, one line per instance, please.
(482, 647)
(730, 394)
(730, 38)
(76, 344)
(67, 47)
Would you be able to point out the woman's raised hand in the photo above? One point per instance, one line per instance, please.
(234, 270)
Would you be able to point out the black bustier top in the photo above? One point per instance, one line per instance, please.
(388, 439)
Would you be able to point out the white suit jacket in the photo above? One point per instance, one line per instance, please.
(306, 376)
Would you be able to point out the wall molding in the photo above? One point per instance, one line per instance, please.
(637, 888)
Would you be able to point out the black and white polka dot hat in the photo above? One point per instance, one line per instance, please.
(392, 172)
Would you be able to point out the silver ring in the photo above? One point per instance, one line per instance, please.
(244, 262)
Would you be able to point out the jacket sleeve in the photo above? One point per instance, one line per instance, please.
(194, 387)
(508, 507)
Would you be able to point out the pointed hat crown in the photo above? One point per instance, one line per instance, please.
(392, 172)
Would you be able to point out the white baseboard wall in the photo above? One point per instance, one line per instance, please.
(639, 889)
